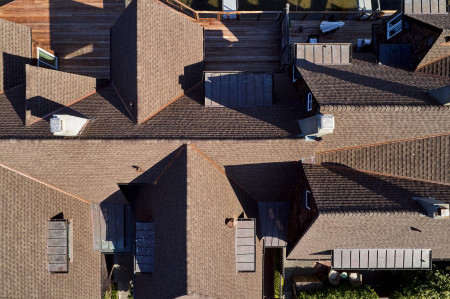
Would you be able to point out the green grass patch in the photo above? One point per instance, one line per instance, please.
(278, 281)
(112, 293)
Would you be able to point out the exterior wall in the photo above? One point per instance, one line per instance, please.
(124, 57)
(303, 90)
(27, 206)
(169, 56)
(15, 48)
(300, 217)
(48, 90)
(420, 36)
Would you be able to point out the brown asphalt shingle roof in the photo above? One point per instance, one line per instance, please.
(356, 126)
(26, 208)
(367, 210)
(440, 21)
(186, 118)
(353, 231)
(88, 169)
(423, 158)
(194, 249)
(339, 189)
(364, 83)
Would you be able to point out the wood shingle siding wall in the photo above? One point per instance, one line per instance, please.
(15, 51)
(49, 90)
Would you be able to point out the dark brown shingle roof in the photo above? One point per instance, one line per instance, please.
(440, 21)
(354, 231)
(365, 125)
(424, 158)
(27, 206)
(367, 210)
(344, 190)
(366, 83)
(186, 118)
(194, 249)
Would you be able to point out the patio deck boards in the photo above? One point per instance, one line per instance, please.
(77, 31)
(350, 33)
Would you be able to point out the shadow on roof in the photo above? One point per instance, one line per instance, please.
(354, 74)
(342, 189)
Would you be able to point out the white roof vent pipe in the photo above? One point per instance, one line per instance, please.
(67, 125)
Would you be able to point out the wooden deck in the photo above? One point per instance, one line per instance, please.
(77, 31)
(350, 33)
(246, 45)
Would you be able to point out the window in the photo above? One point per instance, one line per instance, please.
(46, 59)
(308, 199)
(394, 26)
(309, 102)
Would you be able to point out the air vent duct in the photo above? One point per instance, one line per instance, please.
(435, 208)
(317, 125)
(67, 125)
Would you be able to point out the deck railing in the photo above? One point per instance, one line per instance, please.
(219, 15)
(342, 15)
(275, 15)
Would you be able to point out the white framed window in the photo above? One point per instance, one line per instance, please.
(309, 100)
(395, 26)
(47, 59)
(308, 199)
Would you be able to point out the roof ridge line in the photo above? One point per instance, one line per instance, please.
(431, 62)
(44, 183)
(169, 164)
(123, 102)
(382, 143)
(14, 87)
(367, 213)
(222, 171)
(171, 101)
(383, 174)
(389, 107)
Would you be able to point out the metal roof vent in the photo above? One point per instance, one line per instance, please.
(435, 208)
(67, 125)
(326, 122)
(317, 125)
(55, 124)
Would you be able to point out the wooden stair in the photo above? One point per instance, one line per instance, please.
(248, 45)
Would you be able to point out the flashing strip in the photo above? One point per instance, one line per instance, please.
(44, 183)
